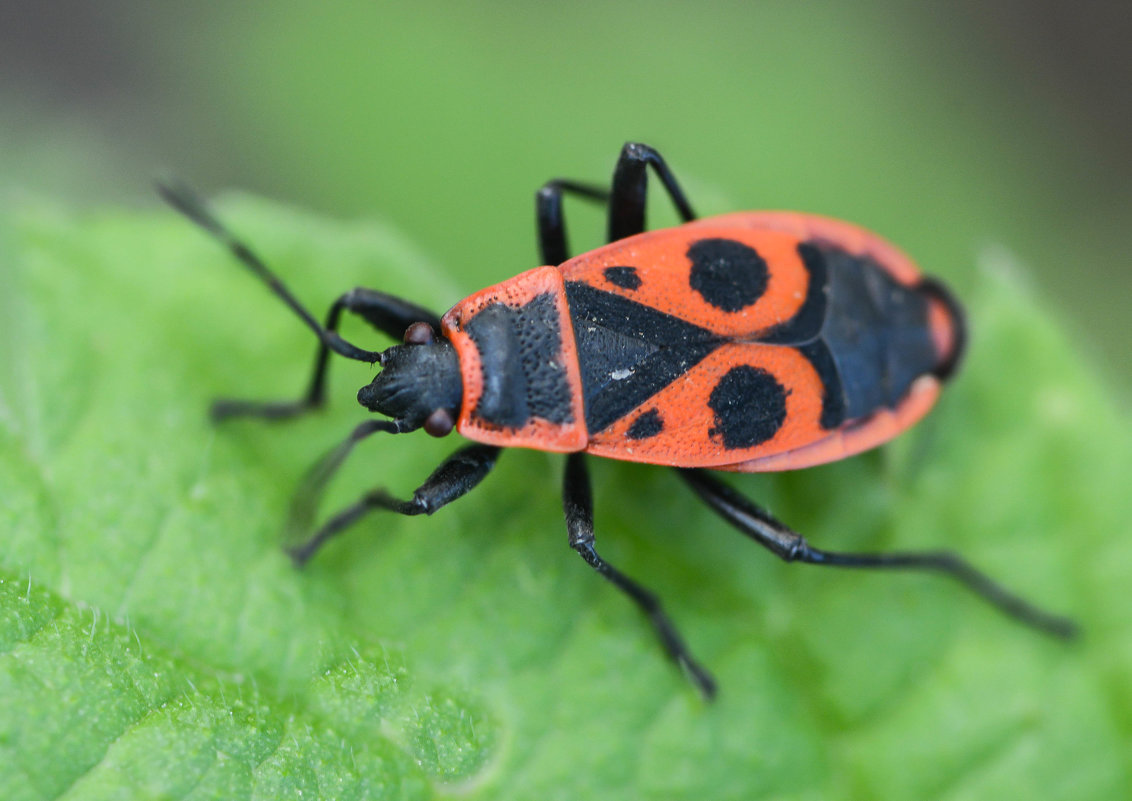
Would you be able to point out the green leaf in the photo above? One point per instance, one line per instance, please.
(155, 642)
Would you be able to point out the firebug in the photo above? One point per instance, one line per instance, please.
(747, 342)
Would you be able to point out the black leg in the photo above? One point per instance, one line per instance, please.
(551, 224)
(186, 201)
(792, 547)
(456, 476)
(304, 503)
(577, 500)
(630, 185)
(386, 313)
(626, 201)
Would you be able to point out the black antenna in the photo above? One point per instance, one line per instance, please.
(181, 197)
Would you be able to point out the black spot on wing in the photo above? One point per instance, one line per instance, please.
(727, 274)
(749, 406)
(647, 425)
(624, 277)
(523, 375)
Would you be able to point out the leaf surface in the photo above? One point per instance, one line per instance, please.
(155, 642)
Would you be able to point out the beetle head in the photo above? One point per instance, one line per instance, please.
(419, 383)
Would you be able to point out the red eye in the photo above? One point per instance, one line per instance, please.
(419, 334)
(440, 422)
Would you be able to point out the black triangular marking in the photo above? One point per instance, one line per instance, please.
(627, 317)
(618, 398)
(606, 356)
(628, 352)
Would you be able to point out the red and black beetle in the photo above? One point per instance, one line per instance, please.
(748, 342)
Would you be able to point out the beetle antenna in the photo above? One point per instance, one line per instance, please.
(184, 199)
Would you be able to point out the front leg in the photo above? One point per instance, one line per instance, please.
(577, 500)
(456, 476)
(548, 212)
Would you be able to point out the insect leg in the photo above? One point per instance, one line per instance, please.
(577, 500)
(792, 547)
(386, 313)
(456, 476)
(186, 201)
(551, 224)
(630, 185)
(626, 201)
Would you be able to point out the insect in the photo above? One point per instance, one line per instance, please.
(748, 342)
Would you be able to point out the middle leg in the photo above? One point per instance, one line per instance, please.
(577, 500)
(456, 476)
(626, 200)
(630, 189)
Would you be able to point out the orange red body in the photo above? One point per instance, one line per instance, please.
(746, 342)
(761, 311)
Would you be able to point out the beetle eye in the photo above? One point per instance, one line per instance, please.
(419, 334)
(439, 423)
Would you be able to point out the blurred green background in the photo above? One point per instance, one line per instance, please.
(968, 133)
(947, 128)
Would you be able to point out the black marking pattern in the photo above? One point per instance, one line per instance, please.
(833, 394)
(521, 357)
(937, 291)
(865, 333)
(807, 322)
(727, 274)
(647, 425)
(876, 333)
(628, 352)
(624, 277)
(749, 406)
